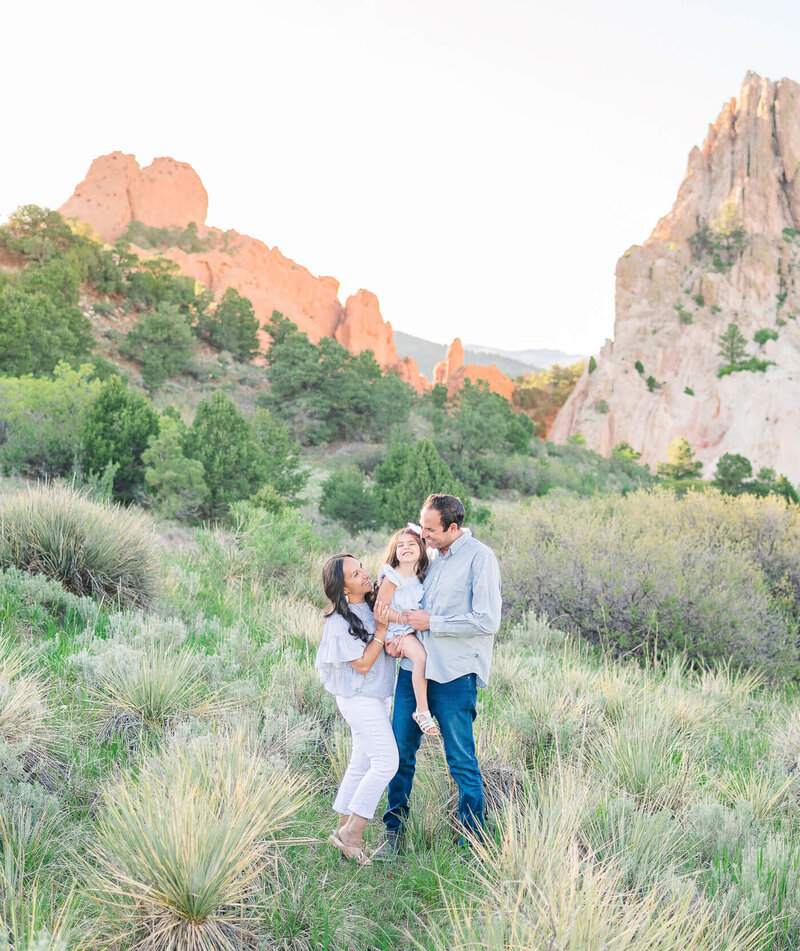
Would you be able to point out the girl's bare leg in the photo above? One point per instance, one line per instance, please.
(415, 652)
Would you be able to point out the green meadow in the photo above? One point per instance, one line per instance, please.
(168, 757)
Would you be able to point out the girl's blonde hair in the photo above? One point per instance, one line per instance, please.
(390, 558)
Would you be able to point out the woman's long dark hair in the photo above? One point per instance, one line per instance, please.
(333, 586)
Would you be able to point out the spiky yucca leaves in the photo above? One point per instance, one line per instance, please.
(26, 724)
(542, 887)
(649, 759)
(152, 690)
(181, 846)
(103, 551)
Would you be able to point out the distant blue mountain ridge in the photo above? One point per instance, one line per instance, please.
(511, 362)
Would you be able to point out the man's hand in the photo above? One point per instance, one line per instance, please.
(419, 620)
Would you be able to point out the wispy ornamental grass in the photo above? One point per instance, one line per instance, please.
(91, 548)
(181, 847)
(151, 688)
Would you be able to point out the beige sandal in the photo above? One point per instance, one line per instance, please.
(355, 852)
(426, 723)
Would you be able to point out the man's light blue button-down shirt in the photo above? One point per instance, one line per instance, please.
(463, 597)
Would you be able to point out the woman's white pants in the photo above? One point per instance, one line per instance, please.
(374, 759)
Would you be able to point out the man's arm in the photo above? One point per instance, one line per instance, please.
(484, 618)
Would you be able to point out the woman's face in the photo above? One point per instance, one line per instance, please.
(356, 579)
(408, 550)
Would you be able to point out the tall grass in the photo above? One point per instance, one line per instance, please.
(181, 846)
(95, 549)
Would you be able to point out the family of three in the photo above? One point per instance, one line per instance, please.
(437, 608)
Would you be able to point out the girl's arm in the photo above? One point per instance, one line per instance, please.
(372, 651)
(384, 597)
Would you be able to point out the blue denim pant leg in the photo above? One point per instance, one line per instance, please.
(454, 706)
(408, 736)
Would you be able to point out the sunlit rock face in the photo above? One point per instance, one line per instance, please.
(169, 194)
(727, 252)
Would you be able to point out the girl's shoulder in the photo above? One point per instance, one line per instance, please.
(395, 577)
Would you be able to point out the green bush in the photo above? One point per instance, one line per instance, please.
(764, 334)
(220, 438)
(705, 575)
(639, 367)
(347, 500)
(116, 431)
(94, 550)
(175, 484)
(407, 477)
(751, 365)
(232, 326)
(41, 420)
(161, 343)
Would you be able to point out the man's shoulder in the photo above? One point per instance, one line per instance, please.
(478, 548)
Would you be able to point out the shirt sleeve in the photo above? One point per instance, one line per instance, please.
(338, 646)
(391, 574)
(487, 603)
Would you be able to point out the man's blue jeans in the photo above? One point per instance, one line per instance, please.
(453, 705)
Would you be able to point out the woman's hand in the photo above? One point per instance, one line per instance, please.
(394, 647)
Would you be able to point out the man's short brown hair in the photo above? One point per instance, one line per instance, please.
(449, 507)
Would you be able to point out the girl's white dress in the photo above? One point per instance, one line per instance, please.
(407, 596)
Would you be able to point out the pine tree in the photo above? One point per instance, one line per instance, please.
(732, 345)
(680, 463)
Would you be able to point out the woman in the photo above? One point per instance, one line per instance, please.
(355, 669)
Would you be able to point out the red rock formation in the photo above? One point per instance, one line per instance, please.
(170, 194)
(452, 372)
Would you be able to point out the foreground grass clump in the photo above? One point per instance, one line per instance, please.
(711, 577)
(91, 548)
(182, 845)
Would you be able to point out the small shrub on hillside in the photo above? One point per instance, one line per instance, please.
(221, 440)
(232, 326)
(41, 420)
(346, 499)
(116, 430)
(408, 475)
(764, 334)
(92, 549)
(175, 484)
(181, 846)
(161, 343)
(42, 605)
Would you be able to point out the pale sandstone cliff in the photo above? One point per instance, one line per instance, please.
(673, 302)
(169, 194)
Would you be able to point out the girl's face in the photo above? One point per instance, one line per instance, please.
(356, 580)
(408, 550)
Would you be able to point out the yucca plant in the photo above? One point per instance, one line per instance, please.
(152, 690)
(542, 887)
(181, 846)
(26, 724)
(765, 790)
(92, 548)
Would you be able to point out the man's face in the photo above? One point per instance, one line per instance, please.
(434, 533)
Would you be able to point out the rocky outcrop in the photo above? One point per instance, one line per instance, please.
(728, 252)
(116, 191)
(169, 194)
(452, 372)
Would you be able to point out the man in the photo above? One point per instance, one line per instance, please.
(459, 617)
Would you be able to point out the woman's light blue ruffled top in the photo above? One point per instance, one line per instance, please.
(407, 597)
(338, 647)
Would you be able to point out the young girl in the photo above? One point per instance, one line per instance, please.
(400, 582)
(354, 668)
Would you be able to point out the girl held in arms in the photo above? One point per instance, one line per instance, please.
(400, 580)
(355, 669)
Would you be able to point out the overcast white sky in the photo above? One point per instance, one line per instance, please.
(479, 166)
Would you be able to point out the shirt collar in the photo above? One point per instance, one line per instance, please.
(459, 542)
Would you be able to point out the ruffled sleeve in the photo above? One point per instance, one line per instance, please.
(338, 646)
(392, 574)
